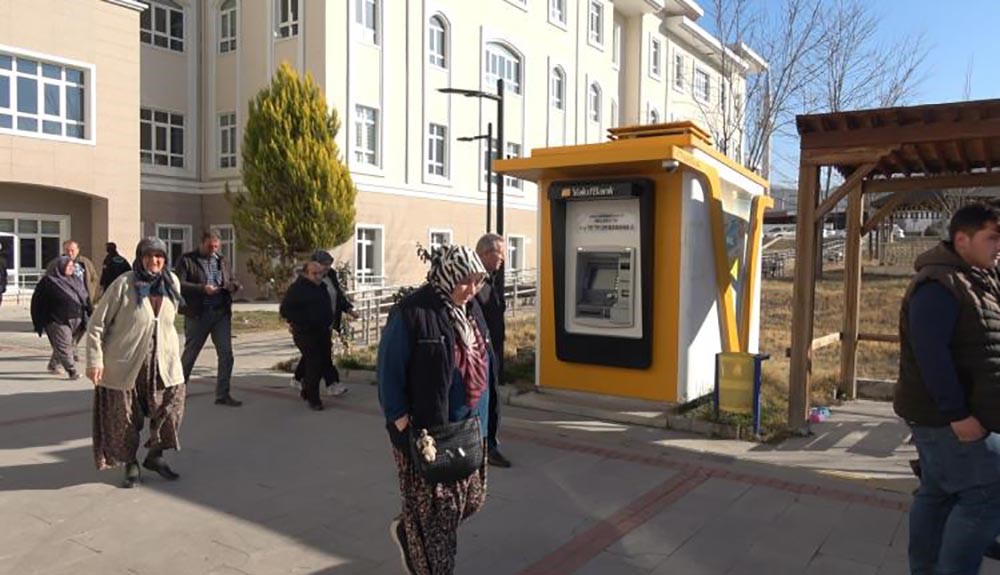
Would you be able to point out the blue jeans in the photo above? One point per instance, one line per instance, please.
(216, 322)
(956, 511)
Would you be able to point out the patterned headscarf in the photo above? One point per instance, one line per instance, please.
(146, 282)
(450, 265)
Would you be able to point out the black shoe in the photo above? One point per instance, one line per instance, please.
(398, 533)
(131, 475)
(160, 466)
(229, 401)
(318, 406)
(497, 459)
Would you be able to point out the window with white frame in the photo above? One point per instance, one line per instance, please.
(437, 150)
(366, 133)
(513, 151)
(163, 26)
(702, 85)
(227, 140)
(616, 44)
(39, 97)
(503, 64)
(227, 26)
(680, 73)
(654, 116)
(557, 87)
(437, 42)
(177, 238)
(594, 103)
(439, 239)
(161, 138)
(368, 255)
(286, 19)
(515, 253)
(227, 242)
(557, 11)
(655, 57)
(39, 239)
(595, 25)
(366, 14)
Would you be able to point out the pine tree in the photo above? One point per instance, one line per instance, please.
(297, 194)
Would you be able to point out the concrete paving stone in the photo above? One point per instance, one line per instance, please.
(606, 563)
(894, 567)
(871, 523)
(845, 546)
(712, 496)
(824, 564)
(761, 503)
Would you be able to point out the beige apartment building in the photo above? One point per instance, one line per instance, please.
(571, 70)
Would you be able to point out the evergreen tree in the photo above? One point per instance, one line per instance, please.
(297, 194)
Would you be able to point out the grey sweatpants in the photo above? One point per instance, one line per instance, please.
(63, 339)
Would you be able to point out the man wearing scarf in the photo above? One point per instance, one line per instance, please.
(59, 307)
(435, 366)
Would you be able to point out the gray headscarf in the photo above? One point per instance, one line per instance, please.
(69, 285)
(146, 282)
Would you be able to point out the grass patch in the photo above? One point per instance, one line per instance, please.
(248, 322)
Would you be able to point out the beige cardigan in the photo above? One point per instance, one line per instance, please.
(120, 331)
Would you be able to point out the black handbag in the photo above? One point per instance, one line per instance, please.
(447, 453)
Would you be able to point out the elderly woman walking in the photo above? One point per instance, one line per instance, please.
(435, 362)
(59, 307)
(134, 361)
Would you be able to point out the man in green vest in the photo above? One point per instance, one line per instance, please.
(949, 394)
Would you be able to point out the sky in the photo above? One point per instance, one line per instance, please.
(956, 31)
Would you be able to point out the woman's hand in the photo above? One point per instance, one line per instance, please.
(402, 422)
(95, 374)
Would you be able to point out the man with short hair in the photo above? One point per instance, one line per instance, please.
(114, 266)
(84, 269)
(491, 250)
(208, 291)
(949, 394)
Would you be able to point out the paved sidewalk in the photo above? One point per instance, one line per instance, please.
(275, 488)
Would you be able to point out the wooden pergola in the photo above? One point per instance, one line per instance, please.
(897, 150)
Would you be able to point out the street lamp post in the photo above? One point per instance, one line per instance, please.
(488, 136)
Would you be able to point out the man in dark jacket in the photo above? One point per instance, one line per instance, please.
(208, 288)
(307, 309)
(3, 273)
(949, 394)
(114, 266)
(491, 250)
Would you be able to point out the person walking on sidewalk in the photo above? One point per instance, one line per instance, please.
(340, 305)
(3, 273)
(491, 250)
(435, 367)
(208, 290)
(114, 266)
(134, 362)
(83, 268)
(306, 307)
(948, 392)
(59, 307)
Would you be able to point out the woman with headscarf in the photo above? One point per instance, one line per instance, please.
(134, 361)
(434, 365)
(59, 307)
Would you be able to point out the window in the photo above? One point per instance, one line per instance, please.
(557, 11)
(513, 151)
(161, 138)
(162, 26)
(177, 238)
(437, 150)
(437, 38)
(596, 22)
(366, 131)
(655, 57)
(557, 97)
(439, 238)
(680, 75)
(616, 44)
(702, 86)
(38, 97)
(501, 63)
(594, 103)
(39, 239)
(227, 240)
(366, 15)
(227, 26)
(368, 255)
(654, 116)
(515, 253)
(287, 18)
(227, 140)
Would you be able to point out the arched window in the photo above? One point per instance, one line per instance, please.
(557, 89)
(594, 103)
(437, 42)
(227, 26)
(502, 63)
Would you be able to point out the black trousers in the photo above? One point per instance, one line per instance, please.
(493, 415)
(317, 361)
(300, 372)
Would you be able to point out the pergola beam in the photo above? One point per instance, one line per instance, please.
(841, 192)
(933, 183)
(838, 156)
(890, 206)
(909, 134)
(803, 299)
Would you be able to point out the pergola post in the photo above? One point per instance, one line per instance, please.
(803, 296)
(852, 295)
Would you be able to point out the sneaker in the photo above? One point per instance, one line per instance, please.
(497, 459)
(294, 383)
(398, 534)
(336, 389)
(74, 376)
(228, 401)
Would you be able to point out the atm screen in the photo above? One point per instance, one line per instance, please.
(603, 278)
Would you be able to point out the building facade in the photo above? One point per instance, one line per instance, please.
(571, 69)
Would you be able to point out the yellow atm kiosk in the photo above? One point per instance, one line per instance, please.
(649, 261)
